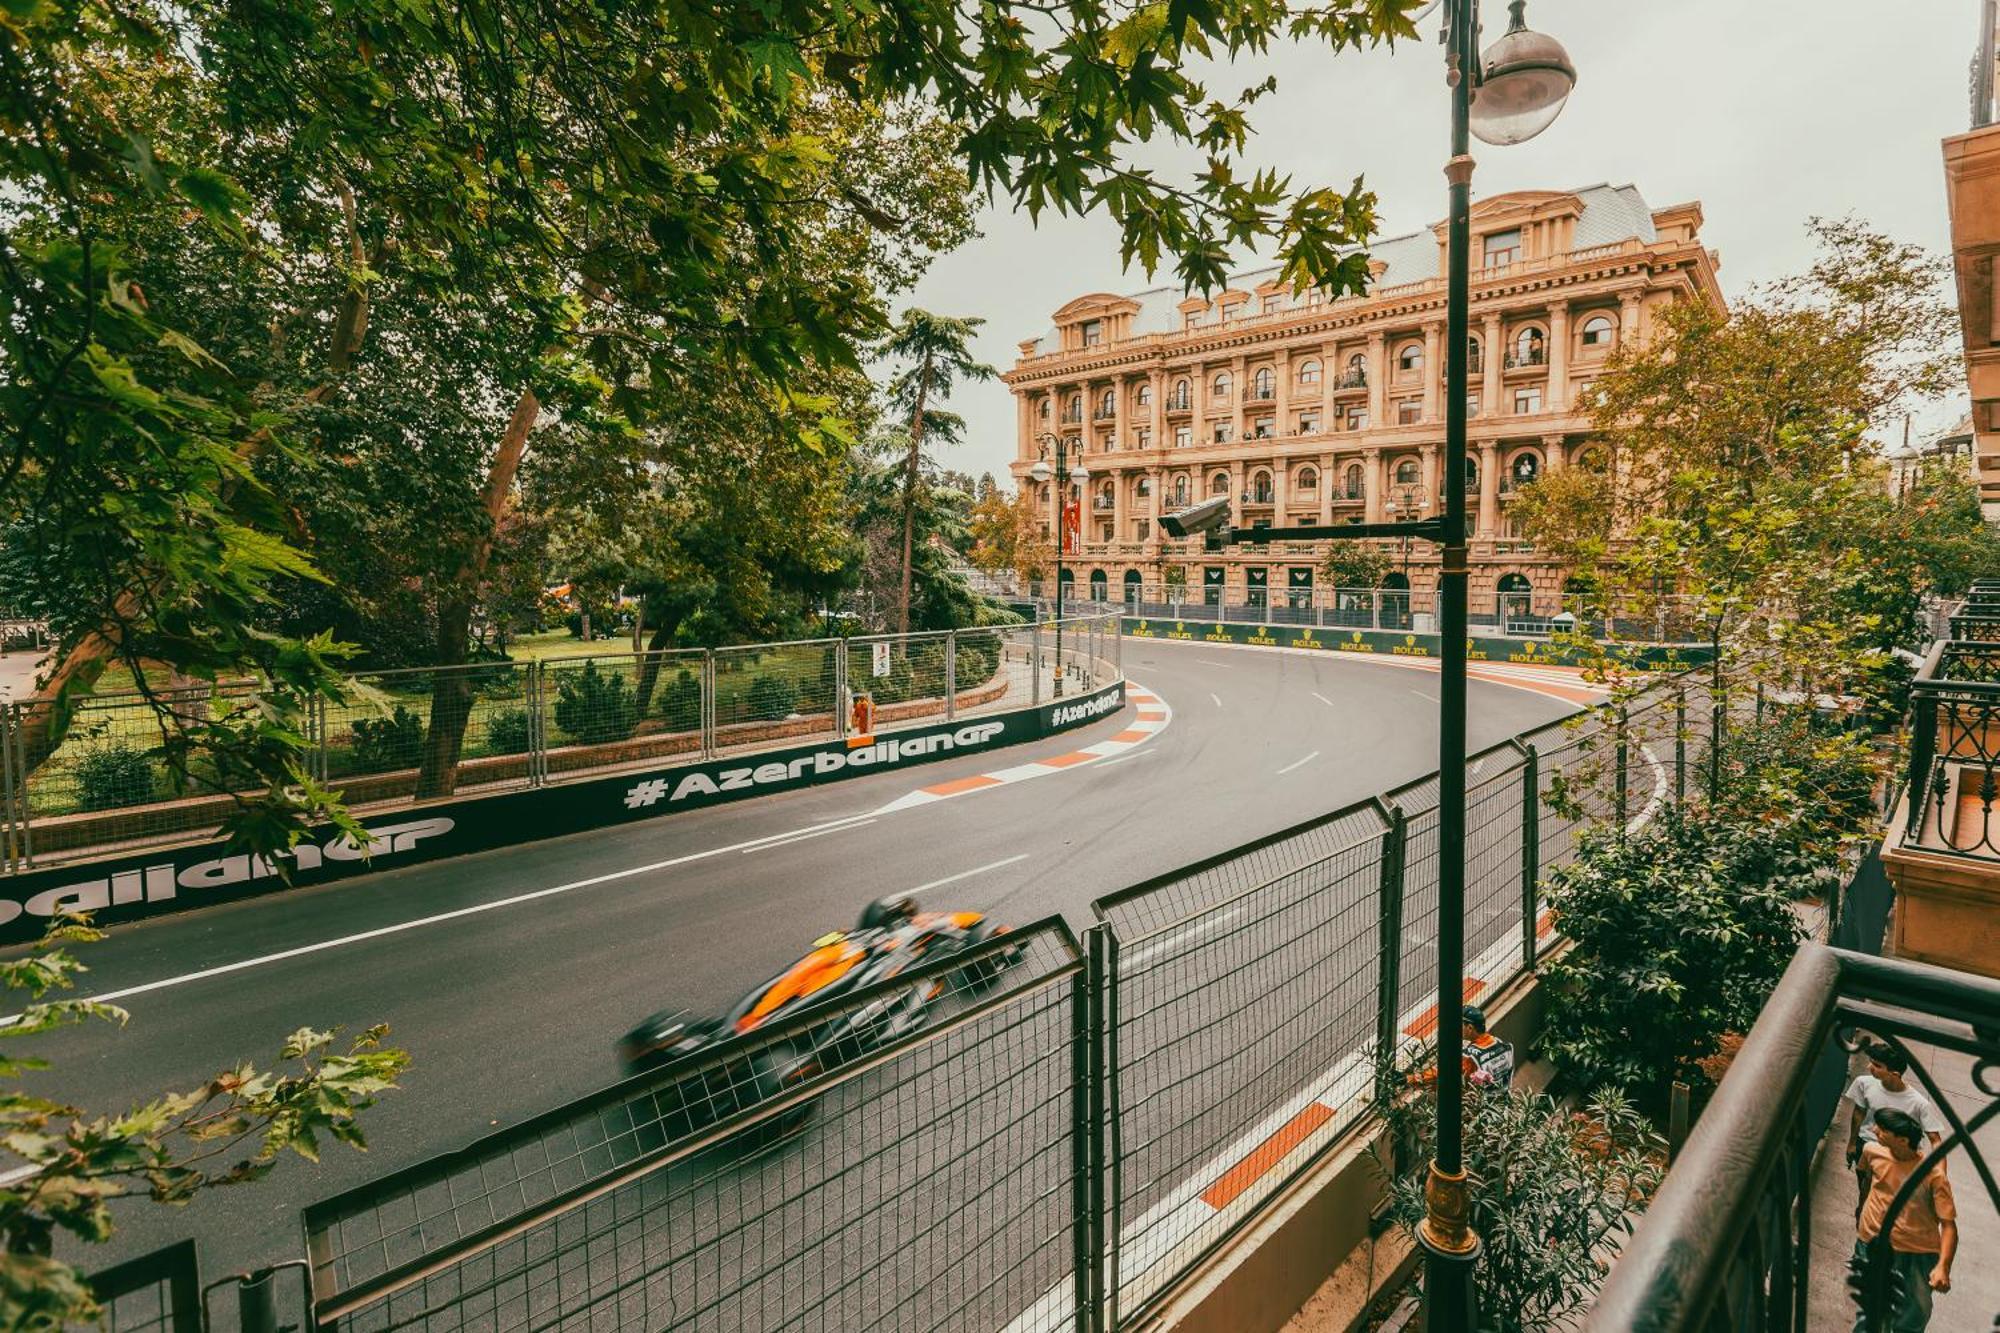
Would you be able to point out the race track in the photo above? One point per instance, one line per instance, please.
(509, 974)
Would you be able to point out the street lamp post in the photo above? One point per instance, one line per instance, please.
(1063, 474)
(1521, 83)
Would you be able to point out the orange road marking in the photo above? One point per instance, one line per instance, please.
(1265, 1156)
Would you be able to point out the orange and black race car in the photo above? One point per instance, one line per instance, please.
(891, 937)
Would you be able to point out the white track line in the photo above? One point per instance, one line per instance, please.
(1323, 699)
(965, 874)
(803, 837)
(1218, 698)
(1298, 763)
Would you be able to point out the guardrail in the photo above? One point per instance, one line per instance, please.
(1064, 1133)
(400, 738)
(1727, 1242)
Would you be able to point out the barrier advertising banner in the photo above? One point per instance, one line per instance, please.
(1394, 643)
(173, 879)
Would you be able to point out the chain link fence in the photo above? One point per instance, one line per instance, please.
(415, 734)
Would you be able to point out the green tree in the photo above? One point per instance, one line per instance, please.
(1355, 565)
(938, 350)
(1552, 1193)
(75, 1165)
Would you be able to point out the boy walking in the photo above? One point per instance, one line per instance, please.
(1923, 1238)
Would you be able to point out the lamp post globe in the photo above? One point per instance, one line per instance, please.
(1040, 471)
(1525, 78)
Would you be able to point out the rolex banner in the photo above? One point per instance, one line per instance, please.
(173, 879)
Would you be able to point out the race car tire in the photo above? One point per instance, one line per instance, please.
(771, 1073)
(887, 912)
(984, 974)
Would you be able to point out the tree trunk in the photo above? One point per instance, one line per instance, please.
(451, 698)
(649, 667)
(910, 492)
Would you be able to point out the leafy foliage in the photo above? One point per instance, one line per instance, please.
(1681, 928)
(1551, 1192)
(230, 1130)
(1355, 565)
(595, 707)
(507, 731)
(771, 698)
(110, 776)
(680, 702)
(382, 744)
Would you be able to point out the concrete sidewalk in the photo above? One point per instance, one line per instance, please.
(18, 671)
(1973, 1303)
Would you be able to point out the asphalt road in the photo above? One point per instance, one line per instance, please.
(511, 1008)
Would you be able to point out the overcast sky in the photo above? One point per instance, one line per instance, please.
(1769, 112)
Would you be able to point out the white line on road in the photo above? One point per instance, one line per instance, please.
(1216, 697)
(1186, 935)
(1127, 757)
(1425, 694)
(1298, 763)
(1323, 699)
(801, 837)
(967, 874)
(456, 914)
(1209, 661)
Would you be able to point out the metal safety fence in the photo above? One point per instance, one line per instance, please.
(158, 1292)
(1034, 1133)
(92, 776)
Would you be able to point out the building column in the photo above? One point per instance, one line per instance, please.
(1489, 490)
(1558, 395)
(1198, 375)
(1330, 369)
(1158, 380)
(1378, 374)
(1279, 490)
(1433, 373)
(1552, 453)
(1628, 319)
(1120, 480)
(1326, 481)
(1376, 474)
(1281, 406)
(1493, 355)
(1120, 418)
(1238, 391)
(1429, 466)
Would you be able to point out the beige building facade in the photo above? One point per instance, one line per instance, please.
(1312, 411)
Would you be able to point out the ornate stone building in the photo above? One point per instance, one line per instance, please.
(1308, 411)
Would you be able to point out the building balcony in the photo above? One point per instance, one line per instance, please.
(1175, 406)
(1102, 415)
(1258, 499)
(1352, 381)
(1753, 1227)
(1535, 358)
(1103, 504)
(1260, 395)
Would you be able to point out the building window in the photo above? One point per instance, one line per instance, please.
(1224, 432)
(1356, 484)
(1597, 331)
(1472, 404)
(1530, 348)
(1471, 476)
(1263, 384)
(1260, 488)
(1309, 372)
(1191, 320)
(1261, 429)
(1406, 472)
(1357, 418)
(1409, 358)
(1308, 479)
(1308, 423)
(1045, 409)
(1409, 411)
(1142, 529)
(1526, 468)
(1104, 531)
(1586, 394)
(1143, 397)
(1502, 247)
(1274, 303)
(1231, 311)
(1219, 484)
(1591, 459)
(1143, 488)
(1221, 385)
(1472, 362)
(1357, 371)
(1143, 440)
(1527, 401)
(1073, 410)
(1180, 490)
(1183, 436)
(1181, 398)
(1107, 403)
(1093, 332)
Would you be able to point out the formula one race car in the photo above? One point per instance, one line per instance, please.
(892, 937)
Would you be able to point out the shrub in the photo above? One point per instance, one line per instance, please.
(595, 707)
(771, 698)
(386, 743)
(973, 666)
(507, 732)
(680, 702)
(1551, 1190)
(114, 776)
(1681, 930)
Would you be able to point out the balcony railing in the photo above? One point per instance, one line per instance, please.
(1954, 779)
(1257, 497)
(1728, 1242)
(1179, 403)
(1261, 395)
(1352, 379)
(1537, 356)
(1102, 504)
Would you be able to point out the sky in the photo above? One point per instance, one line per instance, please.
(1769, 112)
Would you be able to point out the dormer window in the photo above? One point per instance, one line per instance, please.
(1502, 247)
(1093, 332)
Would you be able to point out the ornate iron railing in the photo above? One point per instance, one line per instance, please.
(1727, 1243)
(1954, 778)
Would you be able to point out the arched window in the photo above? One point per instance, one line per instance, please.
(1591, 459)
(1144, 396)
(1219, 484)
(1409, 358)
(1529, 346)
(1143, 488)
(1074, 410)
(1263, 384)
(1472, 352)
(1355, 484)
(1471, 474)
(1180, 490)
(1260, 485)
(1183, 395)
(1309, 371)
(1222, 385)
(1098, 585)
(1406, 472)
(1357, 363)
(1045, 409)
(1598, 331)
(1308, 479)
(1526, 467)
(1107, 403)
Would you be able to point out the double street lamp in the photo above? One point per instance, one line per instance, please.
(1508, 96)
(1064, 474)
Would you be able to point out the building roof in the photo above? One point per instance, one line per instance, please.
(1611, 213)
